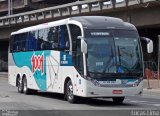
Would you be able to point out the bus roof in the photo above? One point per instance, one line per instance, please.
(40, 26)
(103, 22)
(100, 22)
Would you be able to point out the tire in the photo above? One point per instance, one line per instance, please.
(26, 90)
(19, 85)
(118, 100)
(69, 92)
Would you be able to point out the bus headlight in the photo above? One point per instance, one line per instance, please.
(94, 81)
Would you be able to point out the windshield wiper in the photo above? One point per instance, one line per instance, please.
(111, 58)
(120, 63)
(119, 55)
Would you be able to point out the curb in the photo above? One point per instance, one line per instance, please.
(151, 92)
(3, 74)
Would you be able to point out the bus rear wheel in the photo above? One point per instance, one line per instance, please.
(26, 90)
(69, 92)
(19, 85)
(118, 100)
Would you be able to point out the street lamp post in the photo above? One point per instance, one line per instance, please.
(158, 60)
(10, 7)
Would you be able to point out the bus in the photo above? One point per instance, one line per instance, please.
(83, 56)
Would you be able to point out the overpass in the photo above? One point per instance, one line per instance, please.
(8, 7)
(138, 12)
(144, 14)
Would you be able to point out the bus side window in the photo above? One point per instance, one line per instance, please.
(32, 40)
(52, 38)
(14, 43)
(27, 42)
(63, 38)
(17, 43)
(76, 47)
(42, 39)
(11, 41)
(23, 41)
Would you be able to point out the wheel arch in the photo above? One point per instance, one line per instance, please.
(65, 83)
(21, 78)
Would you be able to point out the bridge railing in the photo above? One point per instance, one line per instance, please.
(71, 9)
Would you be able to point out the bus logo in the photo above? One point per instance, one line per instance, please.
(37, 62)
(64, 57)
(64, 60)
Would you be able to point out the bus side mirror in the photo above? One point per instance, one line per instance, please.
(83, 45)
(149, 44)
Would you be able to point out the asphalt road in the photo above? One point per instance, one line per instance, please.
(52, 103)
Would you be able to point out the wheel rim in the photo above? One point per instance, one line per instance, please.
(70, 91)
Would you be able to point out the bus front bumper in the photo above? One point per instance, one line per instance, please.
(90, 90)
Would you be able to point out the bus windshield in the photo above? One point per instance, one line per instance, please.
(113, 51)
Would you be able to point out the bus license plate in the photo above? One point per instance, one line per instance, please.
(117, 92)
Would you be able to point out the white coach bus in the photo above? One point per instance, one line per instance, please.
(85, 56)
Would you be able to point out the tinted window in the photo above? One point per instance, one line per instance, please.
(63, 38)
(76, 48)
(75, 32)
(11, 40)
(53, 38)
(31, 40)
(23, 41)
(42, 39)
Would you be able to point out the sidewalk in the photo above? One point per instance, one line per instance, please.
(151, 92)
(154, 88)
(5, 74)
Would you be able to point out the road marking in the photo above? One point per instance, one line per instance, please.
(144, 102)
(158, 105)
(136, 101)
(5, 100)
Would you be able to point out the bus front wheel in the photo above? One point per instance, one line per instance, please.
(69, 92)
(118, 100)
